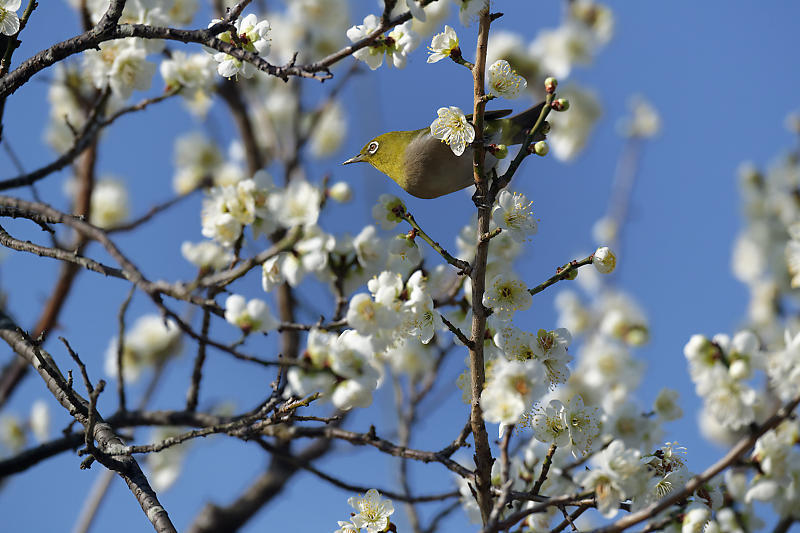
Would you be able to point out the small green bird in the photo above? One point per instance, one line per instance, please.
(427, 168)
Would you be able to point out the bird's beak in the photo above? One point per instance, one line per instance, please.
(357, 159)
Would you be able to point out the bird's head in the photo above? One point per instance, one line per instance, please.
(387, 153)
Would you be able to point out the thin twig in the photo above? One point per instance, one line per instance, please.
(121, 349)
(548, 460)
(568, 271)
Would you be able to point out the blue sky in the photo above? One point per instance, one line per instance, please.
(720, 74)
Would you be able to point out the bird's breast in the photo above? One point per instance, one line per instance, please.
(433, 170)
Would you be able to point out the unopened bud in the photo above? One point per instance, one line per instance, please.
(341, 192)
(604, 260)
(541, 148)
(500, 151)
(550, 85)
(562, 104)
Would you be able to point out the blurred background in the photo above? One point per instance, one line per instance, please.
(720, 76)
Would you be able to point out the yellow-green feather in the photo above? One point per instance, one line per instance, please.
(390, 156)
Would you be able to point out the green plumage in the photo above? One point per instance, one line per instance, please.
(427, 168)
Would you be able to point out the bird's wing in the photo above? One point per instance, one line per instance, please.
(493, 115)
(515, 128)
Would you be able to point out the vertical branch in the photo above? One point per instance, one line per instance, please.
(483, 452)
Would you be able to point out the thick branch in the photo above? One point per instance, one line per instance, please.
(107, 441)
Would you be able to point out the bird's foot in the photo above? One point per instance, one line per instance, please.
(481, 201)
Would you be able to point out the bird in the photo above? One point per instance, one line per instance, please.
(426, 167)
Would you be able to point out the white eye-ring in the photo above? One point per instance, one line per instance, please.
(372, 147)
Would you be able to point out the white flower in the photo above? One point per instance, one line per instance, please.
(373, 511)
(371, 55)
(551, 350)
(557, 50)
(582, 423)
(165, 466)
(109, 203)
(417, 10)
(501, 405)
(302, 382)
(310, 255)
(783, 368)
(400, 41)
(9, 22)
(625, 420)
(222, 227)
(406, 250)
(548, 425)
(347, 527)
(424, 319)
(150, 341)
(368, 317)
(385, 212)
(341, 192)
(252, 35)
(443, 44)
(469, 9)
(195, 157)
(329, 132)
(351, 393)
(506, 294)
(505, 82)
(695, 518)
(571, 130)
(617, 474)
(514, 213)
(250, 316)
(40, 420)
(206, 255)
(351, 356)
(182, 11)
(370, 249)
(644, 121)
(194, 75)
(604, 260)
(411, 357)
(598, 18)
(666, 404)
(297, 205)
(12, 433)
(453, 129)
(130, 70)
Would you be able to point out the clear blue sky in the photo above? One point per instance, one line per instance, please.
(722, 76)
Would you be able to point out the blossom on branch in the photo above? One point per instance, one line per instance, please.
(443, 44)
(503, 81)
(453, 129)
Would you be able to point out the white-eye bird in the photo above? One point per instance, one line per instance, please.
(426, 167)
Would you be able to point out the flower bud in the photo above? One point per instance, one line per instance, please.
(341, 192)
(562, 104)
(541, 148)
(550, 85)
(604, 260)
(500, 151)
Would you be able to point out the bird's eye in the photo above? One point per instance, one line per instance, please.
(372, 147)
